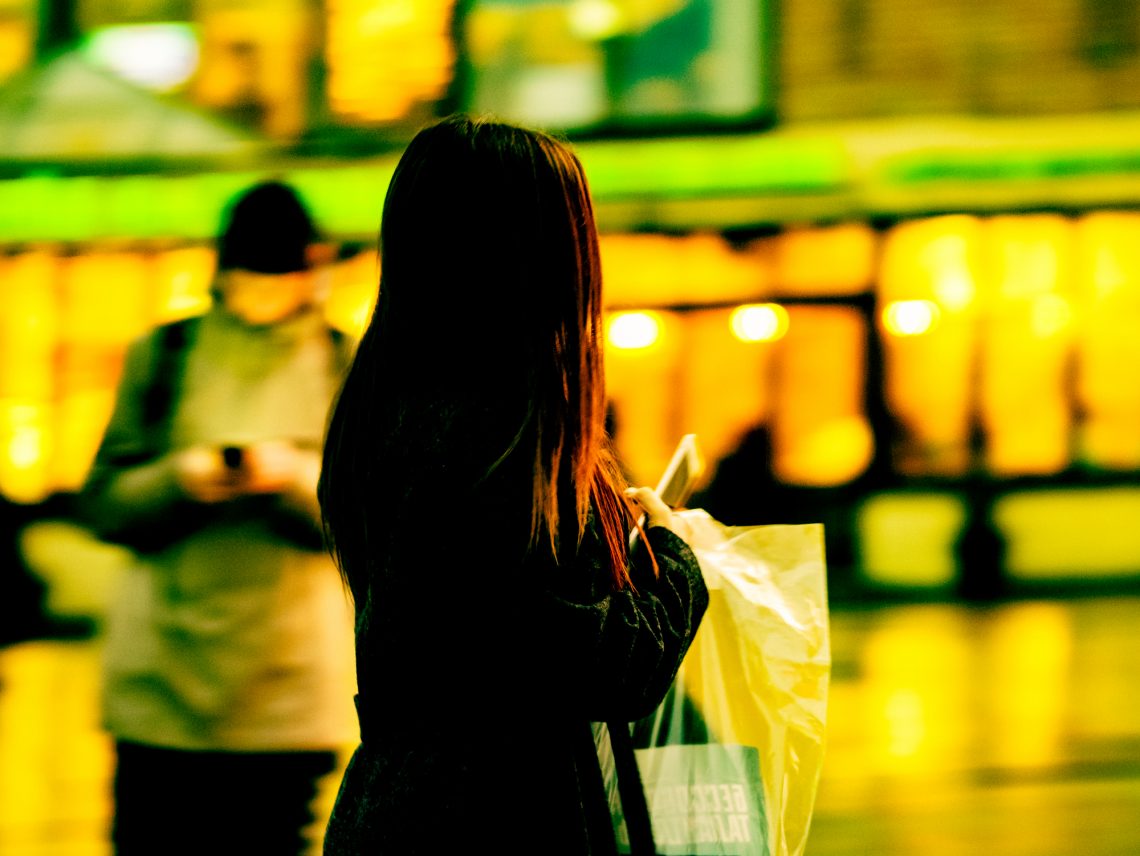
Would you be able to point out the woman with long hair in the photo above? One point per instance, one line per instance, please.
(480, 521)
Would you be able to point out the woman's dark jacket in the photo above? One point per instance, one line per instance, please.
(481, 665)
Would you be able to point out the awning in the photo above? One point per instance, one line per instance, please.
(67, 116)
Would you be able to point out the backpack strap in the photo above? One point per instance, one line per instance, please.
(172, 346)
(164, 385)
(344, 349)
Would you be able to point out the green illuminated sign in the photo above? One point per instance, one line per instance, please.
(986, 166)
(347, 199)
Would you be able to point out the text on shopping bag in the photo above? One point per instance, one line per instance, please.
(705, 799)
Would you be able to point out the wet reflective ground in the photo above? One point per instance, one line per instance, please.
(1011, 730)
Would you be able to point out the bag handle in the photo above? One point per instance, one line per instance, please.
(632, 792)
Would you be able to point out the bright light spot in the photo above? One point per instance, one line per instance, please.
(155, 56)
(910, 317)
(25, 438)
(1050, 315)
(25, 448)
(759, 322)
(595, 19)
(630, 331)
(955, 289)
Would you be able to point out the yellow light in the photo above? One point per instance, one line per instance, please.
(832, 452)
(25, 448)
(1108, 274)
(352, 293)
(385, 57)
(910, 317)
(23, 473)
(631, 331)
(905, 718)
(955, 289)
(945, 261)
(182, 280)
(1051, 314)
(595, 19)
(759, 322)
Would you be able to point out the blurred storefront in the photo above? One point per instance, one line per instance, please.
(904, 306)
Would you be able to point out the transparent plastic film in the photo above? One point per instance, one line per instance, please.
(731, 759)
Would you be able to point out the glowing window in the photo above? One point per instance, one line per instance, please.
(1108, 350)
(820, 433)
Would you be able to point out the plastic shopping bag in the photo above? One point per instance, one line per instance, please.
(730, 761)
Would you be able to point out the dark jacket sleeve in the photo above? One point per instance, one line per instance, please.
(131, 494)
(614, 656)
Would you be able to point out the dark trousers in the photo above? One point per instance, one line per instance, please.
(170, 801)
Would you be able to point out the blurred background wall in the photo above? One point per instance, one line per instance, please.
(882, 257)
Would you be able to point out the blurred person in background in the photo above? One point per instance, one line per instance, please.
(743, 490)
(228, 684)
(482, 524)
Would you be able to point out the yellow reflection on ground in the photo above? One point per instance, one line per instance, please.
(1028, 654)
(54, 760)
(1005, 729)
(1008, 730)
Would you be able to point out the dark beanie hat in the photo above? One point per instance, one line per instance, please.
(267, 230)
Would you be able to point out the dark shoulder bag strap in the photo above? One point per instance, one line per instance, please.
(633, 804)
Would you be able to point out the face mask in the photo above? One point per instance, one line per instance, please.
(265, 298)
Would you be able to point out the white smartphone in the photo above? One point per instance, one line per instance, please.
(680, 476)
(679, 479)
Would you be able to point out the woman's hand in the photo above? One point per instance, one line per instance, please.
(657, 513)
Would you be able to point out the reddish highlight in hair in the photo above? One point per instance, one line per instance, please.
(487, 335)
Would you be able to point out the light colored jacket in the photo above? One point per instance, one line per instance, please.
(232, 629)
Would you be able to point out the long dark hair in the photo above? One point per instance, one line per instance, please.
(484, 352)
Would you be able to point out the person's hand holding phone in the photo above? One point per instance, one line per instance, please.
(657, 513)
(673, 490)
(205, 476)
(218, 474)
